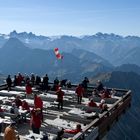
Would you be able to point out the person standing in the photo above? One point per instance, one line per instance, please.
(32, 79)
(9, 82)
(36, 120)
(28, 90)
(79, 91)
(99, 86)
(60, 95)
(38, 103)
(85, 85)
(20, 79)
(15, 80)
(45, 82)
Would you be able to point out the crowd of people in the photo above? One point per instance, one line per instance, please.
(36, 111)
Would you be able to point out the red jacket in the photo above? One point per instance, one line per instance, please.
(79, 91)
(60, 95)
(38, 102)
(25, 106)
(105, 94)
(19, 79)
(74, 131)
(35, 119)
(28, 89)
(92, 104)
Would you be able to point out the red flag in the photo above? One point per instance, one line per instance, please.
(58, 55)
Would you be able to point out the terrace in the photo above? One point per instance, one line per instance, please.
(94, 124)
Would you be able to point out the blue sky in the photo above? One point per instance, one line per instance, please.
(70, 17)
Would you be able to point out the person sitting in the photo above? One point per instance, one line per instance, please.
(105, 93)
(74, 131)
(14, 110)
(92, 103)
(103, 105)
(95, 93)
(17, 101)
(25, 105)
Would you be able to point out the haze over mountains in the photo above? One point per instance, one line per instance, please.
(111, 58)
(83, 56)
(116, 49)
(15, 57)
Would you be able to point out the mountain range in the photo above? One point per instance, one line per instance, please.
(116, 49)
(16, 57)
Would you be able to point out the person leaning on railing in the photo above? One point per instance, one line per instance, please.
(74, 131)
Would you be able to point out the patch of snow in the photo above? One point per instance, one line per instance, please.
(52, 38)
(27, 40)
(6, 36)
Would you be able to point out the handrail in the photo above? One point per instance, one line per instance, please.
(106, 113)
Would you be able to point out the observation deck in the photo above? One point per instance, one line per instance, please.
(95, 123)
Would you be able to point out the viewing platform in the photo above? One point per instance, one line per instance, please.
(94, 121)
